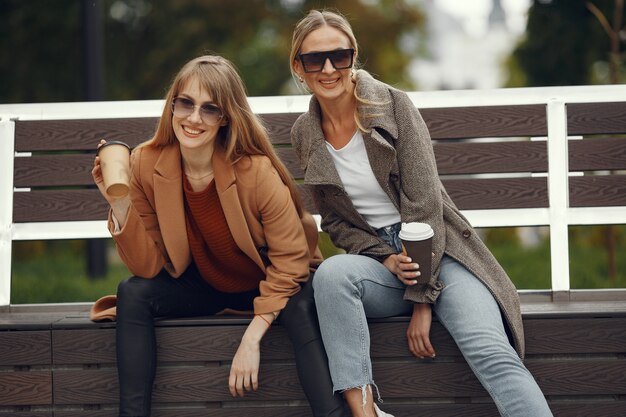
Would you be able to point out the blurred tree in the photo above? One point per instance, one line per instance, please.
(146, 41)
(564, 45)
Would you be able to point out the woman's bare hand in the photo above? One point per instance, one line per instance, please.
(418, 332)
(244, 372)
(403, 268)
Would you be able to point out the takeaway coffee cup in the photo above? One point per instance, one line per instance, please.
(417, 240)
(115, 164)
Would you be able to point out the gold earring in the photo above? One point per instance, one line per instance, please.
(300, 79)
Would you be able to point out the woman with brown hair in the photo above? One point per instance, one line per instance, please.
(213, 222)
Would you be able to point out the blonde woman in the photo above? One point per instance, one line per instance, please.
(368, 156)
(212, 222)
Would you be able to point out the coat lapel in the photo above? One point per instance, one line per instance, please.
(226, 185)
(168, 201)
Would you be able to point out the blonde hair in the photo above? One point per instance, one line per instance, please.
(244, 133)
(314, 20)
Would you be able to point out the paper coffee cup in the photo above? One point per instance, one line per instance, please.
(417, 240)
(115, 164)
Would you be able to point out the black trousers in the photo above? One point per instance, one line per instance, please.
(140, 301)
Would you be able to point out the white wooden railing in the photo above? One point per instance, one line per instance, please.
(558, 216)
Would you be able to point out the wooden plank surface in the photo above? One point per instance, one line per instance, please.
(25, 348)
(488, 121)
(80, 135)
(597, 191)
(395, 380)
(597, 154)
(497, 193)
(596, 118)
(57, 170)
(26, 388)
(578, 408)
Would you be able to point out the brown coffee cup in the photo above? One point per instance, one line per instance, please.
(115, 165)
(417, 240)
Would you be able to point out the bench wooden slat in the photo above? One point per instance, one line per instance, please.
(596, 118)
(495, 193)
(597, 154)
(25, 348)
(53, 170)
(26, 388)
(489, 121)
(578, 408)
(80, 135)
(575, 336)
(492, 157)
(88, 204)
(458, 158)
(597, 191)
(396, 380)
(59, 205)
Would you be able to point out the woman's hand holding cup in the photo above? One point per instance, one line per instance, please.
(111, 173)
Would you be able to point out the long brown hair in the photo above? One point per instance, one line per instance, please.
(244, 134)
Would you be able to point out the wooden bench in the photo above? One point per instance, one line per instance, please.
(55, 362)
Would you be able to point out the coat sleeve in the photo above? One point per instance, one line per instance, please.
(139, 242)
(287, 245)
(421, 190)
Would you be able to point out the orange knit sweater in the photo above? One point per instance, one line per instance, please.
(218, 258)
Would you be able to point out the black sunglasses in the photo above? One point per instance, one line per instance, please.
(340, 58)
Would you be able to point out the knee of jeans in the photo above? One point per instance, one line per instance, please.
(332, 274)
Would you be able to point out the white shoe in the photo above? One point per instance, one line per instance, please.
(380, 413)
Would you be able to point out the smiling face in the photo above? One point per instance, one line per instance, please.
(330, 83)
(191, 131)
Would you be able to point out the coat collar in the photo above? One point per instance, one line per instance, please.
(168, 194)
(377, 117)
(226, 185)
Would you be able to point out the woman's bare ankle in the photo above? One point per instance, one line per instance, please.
(360, 401)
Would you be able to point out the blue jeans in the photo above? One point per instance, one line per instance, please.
(350, 288)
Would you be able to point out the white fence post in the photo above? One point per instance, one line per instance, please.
(558, 194)
(7, 135)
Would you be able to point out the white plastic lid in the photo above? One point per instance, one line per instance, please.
(416, 231)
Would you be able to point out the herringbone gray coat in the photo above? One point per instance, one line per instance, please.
(400, 153)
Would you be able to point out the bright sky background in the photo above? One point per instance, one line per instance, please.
(474, 13)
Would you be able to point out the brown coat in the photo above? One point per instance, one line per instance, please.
(258, 208)
(400, 153)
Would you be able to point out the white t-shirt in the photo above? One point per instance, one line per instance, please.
(358, 179)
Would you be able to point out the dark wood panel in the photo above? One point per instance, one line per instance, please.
(575, 336)
(494, 157)
(576, 408)
(597, 191)
(597, 154)
(395, 380)
(83, 135)
(26, 388)
(219, 343)
(498, 193)
(59, 205)
(26, 413)
(596, 118)
(25, 348)
(488, 121)
(53, 170)
(279, 126)
(580, 377)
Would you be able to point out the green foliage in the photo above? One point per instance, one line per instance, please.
(55, 270)
(563, 43)
(58, 274)
(147, 41)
